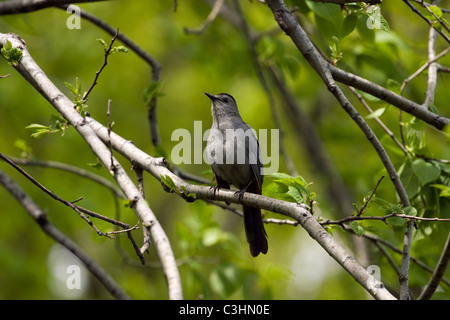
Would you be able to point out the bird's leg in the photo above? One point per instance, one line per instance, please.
(215, 188)
(220, 184)
(243, 190)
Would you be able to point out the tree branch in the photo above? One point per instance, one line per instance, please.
(430, 23)
(21, 6)
(382, 218)
(341, 2)
(390, 97)
(290, 25)
(155, 66)
(324, 69)
(438, 273)
(157, 167)
(41, 219)
(52, 194)
(28, 68)
(211, 17)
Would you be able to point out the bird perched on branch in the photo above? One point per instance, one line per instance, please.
(235, 158)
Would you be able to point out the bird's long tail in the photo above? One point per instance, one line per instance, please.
(254, 230)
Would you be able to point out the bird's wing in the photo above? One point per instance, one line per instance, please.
(256, 162)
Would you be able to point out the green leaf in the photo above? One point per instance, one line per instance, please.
(22, 145)
(437, 11)
(397, 221)
(384, 24)
(12, 55)
(295, 194)
(377, 113)
(211, 236)
(445, 190)
(349, 24)
(187, 194)
(225, 279)
(96, 165)
(336, 52)
(417, 124)
(357, 228)
(122, 49)
(152, 91)
(365, 33)
(425, 171)
(40, 133)
(410, 211)
(328, 11)
(167, 180)
(277, 191)
(58, 123)
(409, 179)
(393, 85)
(37, 126)
(285, 187)
(39, 130)
(386, 206)
(103, 43)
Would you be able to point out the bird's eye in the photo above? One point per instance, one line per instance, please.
(225, 100)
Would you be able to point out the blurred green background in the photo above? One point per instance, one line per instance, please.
(209, 242)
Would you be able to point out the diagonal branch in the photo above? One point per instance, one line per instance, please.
(36, 77)
(157, 167)
(390, 97)
(71, 205)
(21, 6)
(105, 62)
(211, 17)
(41, 219)
(290, 25)
(438, 273)
(372, 2)
(155, 66)
(430, 23)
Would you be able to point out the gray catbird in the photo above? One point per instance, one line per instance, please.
(235, 158)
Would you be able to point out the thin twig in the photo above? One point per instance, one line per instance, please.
(44, 223)
(108, 117)
(382, 218)
(240, 214)
(22, 6)
(146, 232)
(72, 169)
(105, 62)
(29, 69)
(423, 67)
(438, 273)
(211, 17)
(52, 194)
(395, 249)
(431, 24)
(378, 120)
(157, 167)
(361, 211)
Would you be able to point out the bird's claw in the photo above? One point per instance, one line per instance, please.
(240, 193)
(215, 189)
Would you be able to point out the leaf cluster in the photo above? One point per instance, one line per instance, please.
(288, 188)
(11, 54)
(57, 125)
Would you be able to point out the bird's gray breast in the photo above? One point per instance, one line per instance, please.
(234, 154)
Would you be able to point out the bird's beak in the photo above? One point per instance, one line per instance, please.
(210, 96)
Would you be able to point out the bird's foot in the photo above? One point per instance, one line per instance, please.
(215, 189)
(240, 193)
